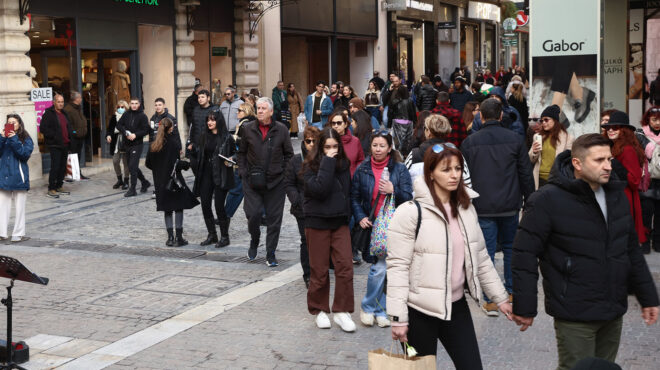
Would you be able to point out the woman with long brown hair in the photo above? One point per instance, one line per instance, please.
(163, 161)
(296, 105)
(630, 154)
(555, 140)
(471, 108)
(436, 251)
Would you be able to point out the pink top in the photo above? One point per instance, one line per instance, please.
(457, 256)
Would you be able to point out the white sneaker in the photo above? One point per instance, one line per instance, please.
(343, 319)
(366, 318)
(382, 321)
(322, 320)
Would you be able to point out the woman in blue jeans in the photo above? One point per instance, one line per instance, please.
(369, 190)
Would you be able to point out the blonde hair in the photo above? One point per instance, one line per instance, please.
(248, 109)
(437, 125)
(517, 91)
(123, 103)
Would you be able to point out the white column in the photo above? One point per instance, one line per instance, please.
(247, 50)
(270, 51)
(380, 46)
(185, 66)
(15, 85)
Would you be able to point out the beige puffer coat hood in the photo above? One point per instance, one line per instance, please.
(418, 271)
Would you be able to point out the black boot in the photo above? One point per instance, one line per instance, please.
(212, 237)
(118, 184)
(224, 233)
(180, 241)
(170, 237)
(125, 184)
(145, 186)
(131, 192)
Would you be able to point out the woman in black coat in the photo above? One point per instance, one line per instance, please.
(162, 158)
(215, 176)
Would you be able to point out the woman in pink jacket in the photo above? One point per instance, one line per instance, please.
(352, 146)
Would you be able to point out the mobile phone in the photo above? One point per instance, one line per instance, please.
(538, 139)
(8, 128)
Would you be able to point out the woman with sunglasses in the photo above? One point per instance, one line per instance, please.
(555, 140)
(117, 150)
(327, 208)
(215, 176)
(352, 146)
(295, 191)
(367, 191)
(630, 154)
(651, 199)
(432, 260)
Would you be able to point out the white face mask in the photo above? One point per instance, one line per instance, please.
(121, 110)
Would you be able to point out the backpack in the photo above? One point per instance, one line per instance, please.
(654, 163)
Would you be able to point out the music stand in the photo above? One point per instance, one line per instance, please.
(11, 268)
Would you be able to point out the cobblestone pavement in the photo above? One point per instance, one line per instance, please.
(112, 282)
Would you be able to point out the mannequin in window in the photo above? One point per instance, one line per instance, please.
(33, 76)
(121, 82)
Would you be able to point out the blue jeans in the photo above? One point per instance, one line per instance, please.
(318, 125)
(502, 229)
(374, 299)
(234, 196)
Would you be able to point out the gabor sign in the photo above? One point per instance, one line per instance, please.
(550, 45)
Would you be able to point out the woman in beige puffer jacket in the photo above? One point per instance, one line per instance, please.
(427, 274)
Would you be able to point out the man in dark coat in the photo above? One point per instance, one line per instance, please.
(160, 113)
(190, 104)
(264, 152)
(426, 95)
(57, 131)
(73, 111)
(439, 85)
(200, 113)
(461, 95)
(501, 173)
(134, 125)
(579, 229)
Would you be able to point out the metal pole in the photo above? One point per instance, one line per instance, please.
(90, 130)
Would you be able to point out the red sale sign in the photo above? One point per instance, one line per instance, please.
(522, 18)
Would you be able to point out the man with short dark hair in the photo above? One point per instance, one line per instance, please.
(229, 108)
(134, 125)
(280, 103)
(580, 231)
(501, 173)
(458, 131)
(460, 96)
(385, 95)
(78, 123)
(57, 131)
(318, 106)
(200, 113)
(160, 113)
(263, 154)
(191, 103)
(426, 95)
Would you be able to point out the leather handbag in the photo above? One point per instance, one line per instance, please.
(172, 184)
(361, 238)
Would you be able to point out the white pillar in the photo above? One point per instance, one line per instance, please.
(380, 46)
(15, 84)
(246, 50)
(185, 66)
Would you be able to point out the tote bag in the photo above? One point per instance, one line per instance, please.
(378, 246)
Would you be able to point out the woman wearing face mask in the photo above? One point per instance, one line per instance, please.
(215, 176)
(369, 190)
(294, 186)
(352, 146)
(162, 159)
(651, 198)
(432, 260)
(15, 150)
(627, 151)
(554, 141)
(117, 150)
(327, 178)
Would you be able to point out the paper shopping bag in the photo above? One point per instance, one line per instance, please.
(381, 359)
(73, 167)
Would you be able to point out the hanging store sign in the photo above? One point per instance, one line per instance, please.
(635, 64)
(43, 99)
(615, 56)
(420, 5)
(394, 5)
(446, 25)
(139, 2)
(485, 11)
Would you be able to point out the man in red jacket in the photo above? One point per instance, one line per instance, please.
(458, 131)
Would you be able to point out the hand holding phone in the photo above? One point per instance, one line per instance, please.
(9, 127)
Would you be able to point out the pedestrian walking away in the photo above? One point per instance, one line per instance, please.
(458, 130)
(435, 251)
(327, 209)
(134, 126)
(368, 190)
(172, 193)
(401, 117)
(117, 148)
(263, 155)
(74, 112)
(579, 230)
(15, 149)
(57, 131)
(295, 191)
(215, 176)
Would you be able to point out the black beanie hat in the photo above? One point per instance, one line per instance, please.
(552, 112)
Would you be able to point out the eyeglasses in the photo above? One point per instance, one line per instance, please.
(337, 123)
(438, 148)
(309, 141)
(546, 120)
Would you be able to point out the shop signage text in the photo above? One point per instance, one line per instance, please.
(393, 5)
(478, 10)
(420, 5)
(219, 51)
(549, 45)
(446, 25)
(140, 2)
(43, 99)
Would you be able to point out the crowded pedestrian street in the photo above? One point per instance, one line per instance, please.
(118, 298)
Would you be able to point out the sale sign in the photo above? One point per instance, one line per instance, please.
(43, 99)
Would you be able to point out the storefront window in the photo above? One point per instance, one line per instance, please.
(470, 42)
(52, 51)
(213, 65)
(489, 47)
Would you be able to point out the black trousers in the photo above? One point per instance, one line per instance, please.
(77, 146)
(208, 190)
(134, 153)
(651, 219)
(272, 200)
(456, 335)
(304, 253)
(57, 167)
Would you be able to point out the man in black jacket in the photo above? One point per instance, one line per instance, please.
(502, 175)
(190, 104)
(579, 229)
(134, 125)
(57, 131)
(160, 113)
(263, 154)
(461, 95)
(427, 94)
(200, 113)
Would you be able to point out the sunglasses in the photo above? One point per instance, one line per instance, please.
(438, 148)
(532, 119)
(612, 128)
(546, 120)
(337, 123)
(381, 133)
(241, 110)
(309, 141)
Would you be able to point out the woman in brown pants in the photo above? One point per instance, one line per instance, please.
(327, 177)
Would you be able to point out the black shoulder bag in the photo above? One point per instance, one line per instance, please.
(257, 174)
(361, 238)
(172, 184)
